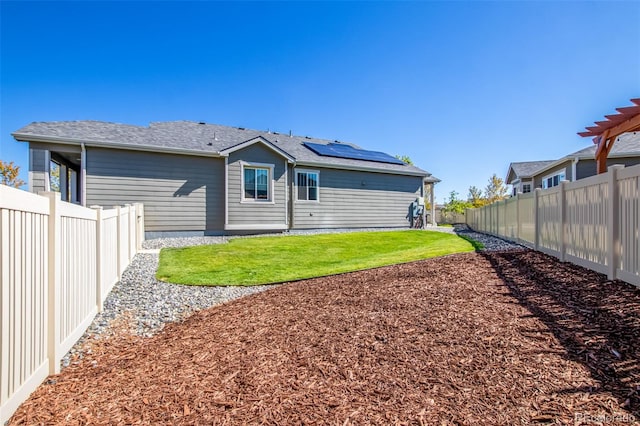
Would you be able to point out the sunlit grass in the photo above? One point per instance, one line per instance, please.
(265, 260)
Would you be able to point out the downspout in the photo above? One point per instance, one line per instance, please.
(30, 169)
(226, 192)
(286, 194)
(83, 175)
(423, 195)
(432, 201)
(574, 169)
(292, 197)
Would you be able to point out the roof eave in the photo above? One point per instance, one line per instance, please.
(25, 137)
(520, 176)
(614, 155)
(509, 174)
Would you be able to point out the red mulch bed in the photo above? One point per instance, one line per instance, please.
(495, 338)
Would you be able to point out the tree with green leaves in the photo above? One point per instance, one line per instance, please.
(475, 197)
(405, 158)
(495, 190)
(10, 173)
(455, 204)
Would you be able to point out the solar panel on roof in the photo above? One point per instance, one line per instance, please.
(339, 150)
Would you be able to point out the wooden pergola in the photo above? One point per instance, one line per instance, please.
(606, 132)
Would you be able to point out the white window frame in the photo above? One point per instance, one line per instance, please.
(270, 186)
(562, 175)
(530, 187)
(295, 185)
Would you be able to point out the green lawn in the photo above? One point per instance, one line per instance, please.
(265, 260)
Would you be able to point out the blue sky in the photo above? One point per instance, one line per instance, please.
(463, 88)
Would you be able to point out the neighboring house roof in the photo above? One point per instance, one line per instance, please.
(187, 137)
(627, 145)
(431, 179)
(526, 169)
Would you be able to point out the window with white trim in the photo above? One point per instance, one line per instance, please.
(307, 185)
(553, 180)
(526, 187)
(256, 183)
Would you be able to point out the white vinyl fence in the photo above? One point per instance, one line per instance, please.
(58, 262)
(593, 222)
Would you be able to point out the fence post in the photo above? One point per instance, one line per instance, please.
(140, 225)
(118, 243)
(99, 254)
(53, 304)
(494, 219)
(536, 220)
(518, 222)
(125, 244)
(4, 307)
(133, 235)
(504, 220)
(130, 233)
(563, 220)
(613, 224)
(487, 218)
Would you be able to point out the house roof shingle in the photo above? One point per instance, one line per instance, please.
(529, 168)
(193, 137)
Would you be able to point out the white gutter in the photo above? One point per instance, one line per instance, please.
(574, 167)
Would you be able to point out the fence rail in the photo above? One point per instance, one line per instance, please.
(593, 222)
(58, 262)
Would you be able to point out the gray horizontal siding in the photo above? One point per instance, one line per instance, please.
(179, 192)
(56, 147)
(566, 167)
(257, 213)
(38, 169)
(586, 168)
(350, 199)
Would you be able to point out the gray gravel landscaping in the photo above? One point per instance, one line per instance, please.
(490, 242)
(149, 303)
